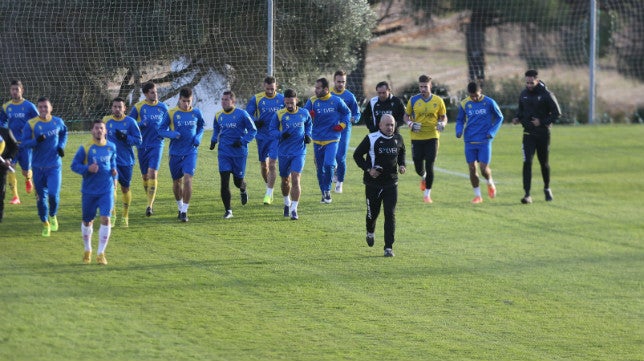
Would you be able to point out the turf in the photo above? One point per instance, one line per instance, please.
(496, 281)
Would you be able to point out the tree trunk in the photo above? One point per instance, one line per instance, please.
(475, 45)
(355, 79)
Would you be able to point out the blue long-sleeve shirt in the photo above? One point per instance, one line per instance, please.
(232, 126)
(478, 121)
(351, 102)
(297, 124)
(102, 153)
(149, 117)
(45, 153)
(327, 112)
(184, 128)
(126, 125)
(262, 108)
(15, 115)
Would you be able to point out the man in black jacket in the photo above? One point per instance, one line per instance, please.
(384, 103)
(538, 110)
(385, 158)
(8, 150)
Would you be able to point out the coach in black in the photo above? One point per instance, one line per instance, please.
(538, 110)
(381, 155)
(384, 103)
(8, 151)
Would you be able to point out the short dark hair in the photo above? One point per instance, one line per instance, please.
(16, 82)
(185, 92)
(290, 93)
(324, 82)
(97, 121)
(424, 79)
(382, 83)
(339, 72)
(473, 87)
(270, 80)
(230, 93)
(531, 73)
(118, 99)
(43, 99)
(147, 86)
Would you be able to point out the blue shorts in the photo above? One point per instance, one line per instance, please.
(23, 158)
(291, 163)
(182, 164)
(267, 148)
(235, 165)
(90, 202)
(149, 157)
(125, 175)
(478, 152)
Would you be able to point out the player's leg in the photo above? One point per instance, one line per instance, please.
(153, 174)
(318, 151)
(24, 160)
(105, 204)
(189, 166)
(285, 185)
(485, 158)
(54, 181)
(42, 195)
(296, 167)
(143, 167)
(177, 181)
(417, 157)
(225, 189)
(271, 176)
(239, 172)
(373, 195)
(88, 211)
(125, 180)
(12, 182)
(389, 200)
(528, 148)
(543, 150)
(341, 158)
(330, 152)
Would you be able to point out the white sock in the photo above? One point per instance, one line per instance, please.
(477, 191)
(87, 236)
(180, 205)
(287, 201)
(103, 238)
(293, 206)
(184, 209)
(428, 192)
(269, 191)
(490, 182)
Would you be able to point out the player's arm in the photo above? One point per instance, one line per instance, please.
(554, 111)
(62, 137)
(134, 137)
(196, 140)
(78, 163)
(273, 126)
(460, 120)
(165, 128)
(359, 154)
(251, 131)
(402, 152)
(497, 120)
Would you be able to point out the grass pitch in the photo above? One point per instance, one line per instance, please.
(494, 281)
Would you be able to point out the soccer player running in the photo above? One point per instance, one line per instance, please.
(538, 111)
(184, 125)
(15, 114)
(261, 107)
(233, 129)
(123, 131)
(96, 162)
(339, 89)
(149, 114)
(383, 103)
(46, 135)
(8, 151)
(330, 116)
(381, 155)
(479, 119)
(292, 127)
(425, 116)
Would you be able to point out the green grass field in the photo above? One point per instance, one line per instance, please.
(495, 281)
